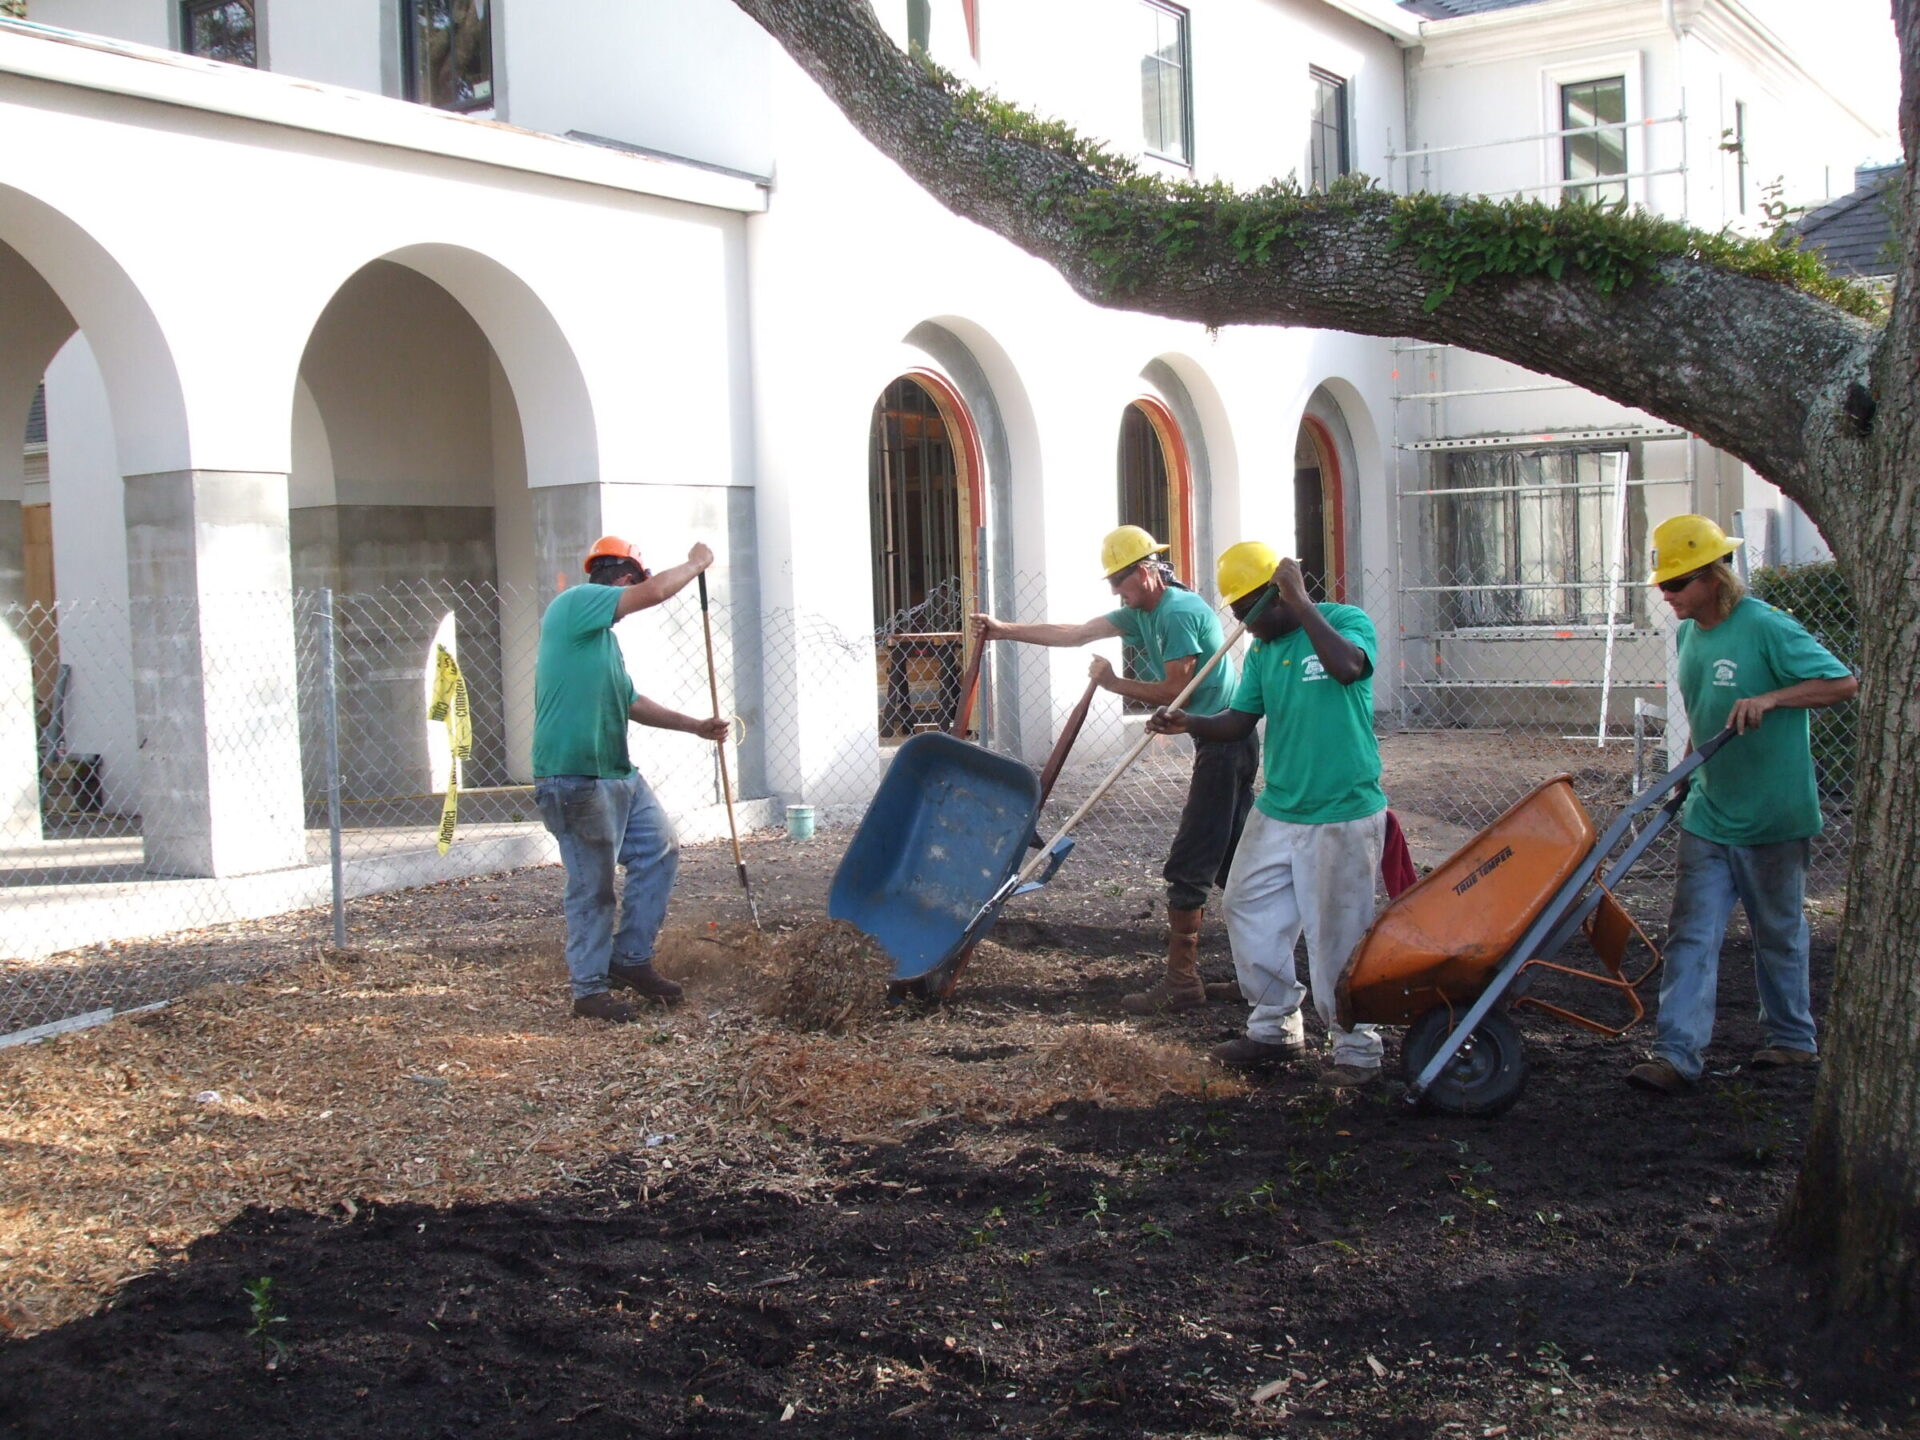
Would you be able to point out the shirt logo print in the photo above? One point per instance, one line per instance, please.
(1312, 669)
(1725, 671)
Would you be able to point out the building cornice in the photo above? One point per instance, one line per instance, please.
(141, 72)
(1382, 15)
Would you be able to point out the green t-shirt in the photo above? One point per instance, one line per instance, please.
(580, 688)
(1759, 790)
(1322, 762)
(1182, 624)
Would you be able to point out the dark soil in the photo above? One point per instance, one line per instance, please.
(1294, 1261)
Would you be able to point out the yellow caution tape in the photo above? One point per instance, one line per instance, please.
(450, 705)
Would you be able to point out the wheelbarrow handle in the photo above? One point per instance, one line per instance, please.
(1069, 732)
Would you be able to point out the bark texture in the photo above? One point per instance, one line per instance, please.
(1856, 1210)
(1768, 373)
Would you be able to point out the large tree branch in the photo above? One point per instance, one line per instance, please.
(1754, 366)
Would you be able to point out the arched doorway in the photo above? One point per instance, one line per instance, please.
(925, 516)
(1156, 493)
(1319, 510)
(1156, 481)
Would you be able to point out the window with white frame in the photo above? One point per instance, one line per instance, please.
(1528, 537)
(447, 49)
(1594, 113)
(1327, 158)
(1166, 88)
(219, 30)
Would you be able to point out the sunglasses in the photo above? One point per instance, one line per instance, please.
(1679, 583)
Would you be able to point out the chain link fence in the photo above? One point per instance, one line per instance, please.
(312, 775)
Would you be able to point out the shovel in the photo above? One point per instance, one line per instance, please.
(726, 785)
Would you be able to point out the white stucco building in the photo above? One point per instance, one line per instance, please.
(433, 290)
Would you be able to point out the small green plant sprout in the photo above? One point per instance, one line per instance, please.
(1152, 1232)
(265, 1315)
(1037, 1204)
(980, 1236)
(1097, 1211)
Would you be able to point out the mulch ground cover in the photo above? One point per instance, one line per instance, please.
(783, 1208)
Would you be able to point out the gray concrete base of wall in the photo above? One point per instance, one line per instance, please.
(43, 920)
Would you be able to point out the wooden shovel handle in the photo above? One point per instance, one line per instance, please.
(969, 683)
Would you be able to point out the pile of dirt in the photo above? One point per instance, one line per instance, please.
(835, 977)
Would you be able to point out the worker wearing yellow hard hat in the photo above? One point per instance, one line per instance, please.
(598, 807)
(1749, 811)
(1171, 632)
(1309, 852)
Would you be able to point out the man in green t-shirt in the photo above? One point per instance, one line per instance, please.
(597, 805)
(1311, 848)
(1750, 810)
(1173, 632)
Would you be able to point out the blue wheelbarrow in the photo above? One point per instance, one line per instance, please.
(939, 851)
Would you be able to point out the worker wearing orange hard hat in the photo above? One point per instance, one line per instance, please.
(1750, 810)
(597, 806)
(1309, 852)
(1172, 632)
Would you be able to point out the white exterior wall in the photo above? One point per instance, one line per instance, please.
(688, 78)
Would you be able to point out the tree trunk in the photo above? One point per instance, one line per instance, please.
(1855, 1213)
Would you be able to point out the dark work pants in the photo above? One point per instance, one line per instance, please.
(1219, 794)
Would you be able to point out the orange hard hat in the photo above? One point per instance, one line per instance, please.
(611, 547)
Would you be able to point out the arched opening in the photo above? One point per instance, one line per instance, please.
(88, 395)
(926, 512)
(1156, 493)
(409, 480)
(1319, 510)
(1156, 480)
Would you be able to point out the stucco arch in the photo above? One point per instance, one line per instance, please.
(100, 299)
(549, 388)
(1189, 392)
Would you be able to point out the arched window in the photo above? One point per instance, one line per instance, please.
(1155, 484)
(1319, 534)
(923, 475)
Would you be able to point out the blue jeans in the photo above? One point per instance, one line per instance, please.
(598, 823)
(1770, 882)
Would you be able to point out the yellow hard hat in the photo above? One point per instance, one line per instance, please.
(1685, 543)
(1244, 568)
(1128, 545)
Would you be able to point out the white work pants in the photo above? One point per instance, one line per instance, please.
(1287, 878)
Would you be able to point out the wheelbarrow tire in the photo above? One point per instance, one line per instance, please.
(1484, 1078)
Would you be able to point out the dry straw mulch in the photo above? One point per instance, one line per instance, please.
(439, 1077)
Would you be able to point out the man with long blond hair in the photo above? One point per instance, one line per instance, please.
(1750, 811)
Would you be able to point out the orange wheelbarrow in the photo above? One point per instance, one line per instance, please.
(1451, 956)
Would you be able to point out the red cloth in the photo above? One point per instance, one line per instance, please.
(1396, 861)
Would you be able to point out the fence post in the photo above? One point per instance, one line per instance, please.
(329, 700)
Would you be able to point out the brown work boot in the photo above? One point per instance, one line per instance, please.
(1658, 1077)
(604, 1007)
(645, 981)
(1247, 1053)
(1225, 990)
(1780, 1057)
(1180, 987)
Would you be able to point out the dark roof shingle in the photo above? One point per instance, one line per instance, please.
(1855, 233)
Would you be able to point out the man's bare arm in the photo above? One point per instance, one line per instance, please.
(1098, 628)
(663, 585)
